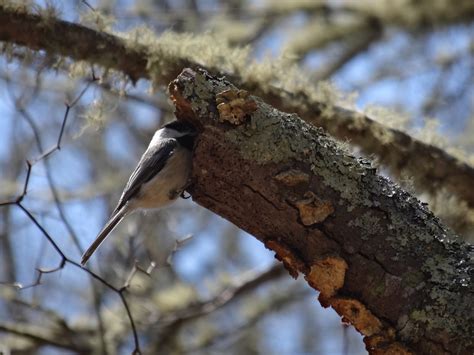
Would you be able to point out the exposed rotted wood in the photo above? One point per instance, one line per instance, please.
(378, 256)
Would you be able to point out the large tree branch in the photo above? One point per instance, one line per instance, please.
(430, 167)
(64, 38)
(374, 252)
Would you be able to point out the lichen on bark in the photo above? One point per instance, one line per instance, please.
(405, 271)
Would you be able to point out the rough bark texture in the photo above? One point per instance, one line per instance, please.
(431, 168)
(375, 253)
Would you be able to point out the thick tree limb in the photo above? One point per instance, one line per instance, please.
(430, 167)
(375, 253)
(71, 40)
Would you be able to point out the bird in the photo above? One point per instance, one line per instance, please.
(160, 177)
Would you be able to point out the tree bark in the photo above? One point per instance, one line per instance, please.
(374, 252)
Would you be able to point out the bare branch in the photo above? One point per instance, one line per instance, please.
(64, 259)
(353, 47)
(177, 246)
(137, 268)
(240, 286)
(275, 302)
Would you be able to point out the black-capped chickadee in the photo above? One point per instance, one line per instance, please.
(160, 177)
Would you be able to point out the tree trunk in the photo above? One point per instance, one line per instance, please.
(374, 252)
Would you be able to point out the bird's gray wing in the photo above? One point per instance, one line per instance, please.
(151, 162)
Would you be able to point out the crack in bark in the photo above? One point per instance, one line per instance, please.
(262, 196)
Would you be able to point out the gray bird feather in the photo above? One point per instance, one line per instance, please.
(149, 165)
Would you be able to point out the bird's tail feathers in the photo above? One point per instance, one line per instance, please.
(109, 227)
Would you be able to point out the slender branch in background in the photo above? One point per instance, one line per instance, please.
(157, 101)
(49, 313)
(177, 246)
(86, 3)
(152, 266)
(46, 153)
(64, 259)
(43, 156)
(46, 336)
(242, 285)
(318, 35)
(239, 287)
(275, 303)
(353, 47)
(136, 269)
(8, 263)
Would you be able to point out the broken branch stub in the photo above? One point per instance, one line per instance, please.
(375, 253)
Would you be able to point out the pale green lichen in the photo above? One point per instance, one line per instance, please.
(199, 93)
(448, 278)
(97, 21)
(388, 116)
(379, 288)
(96, 115)
(200, 88)
(454, 211)
(175, 297)
(19, 6)
(169, 51)
(327, 92)
(281, 72)
(413, 279)
(263, 129)
(292, 138)
(366, 220)
(432, 316)
(48, 12)
(79, 69)
(232, 29)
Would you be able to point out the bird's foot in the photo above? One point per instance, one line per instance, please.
(183, 195)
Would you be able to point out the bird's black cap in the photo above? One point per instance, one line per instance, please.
(181, 126)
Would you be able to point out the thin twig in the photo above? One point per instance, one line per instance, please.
(64, 259)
